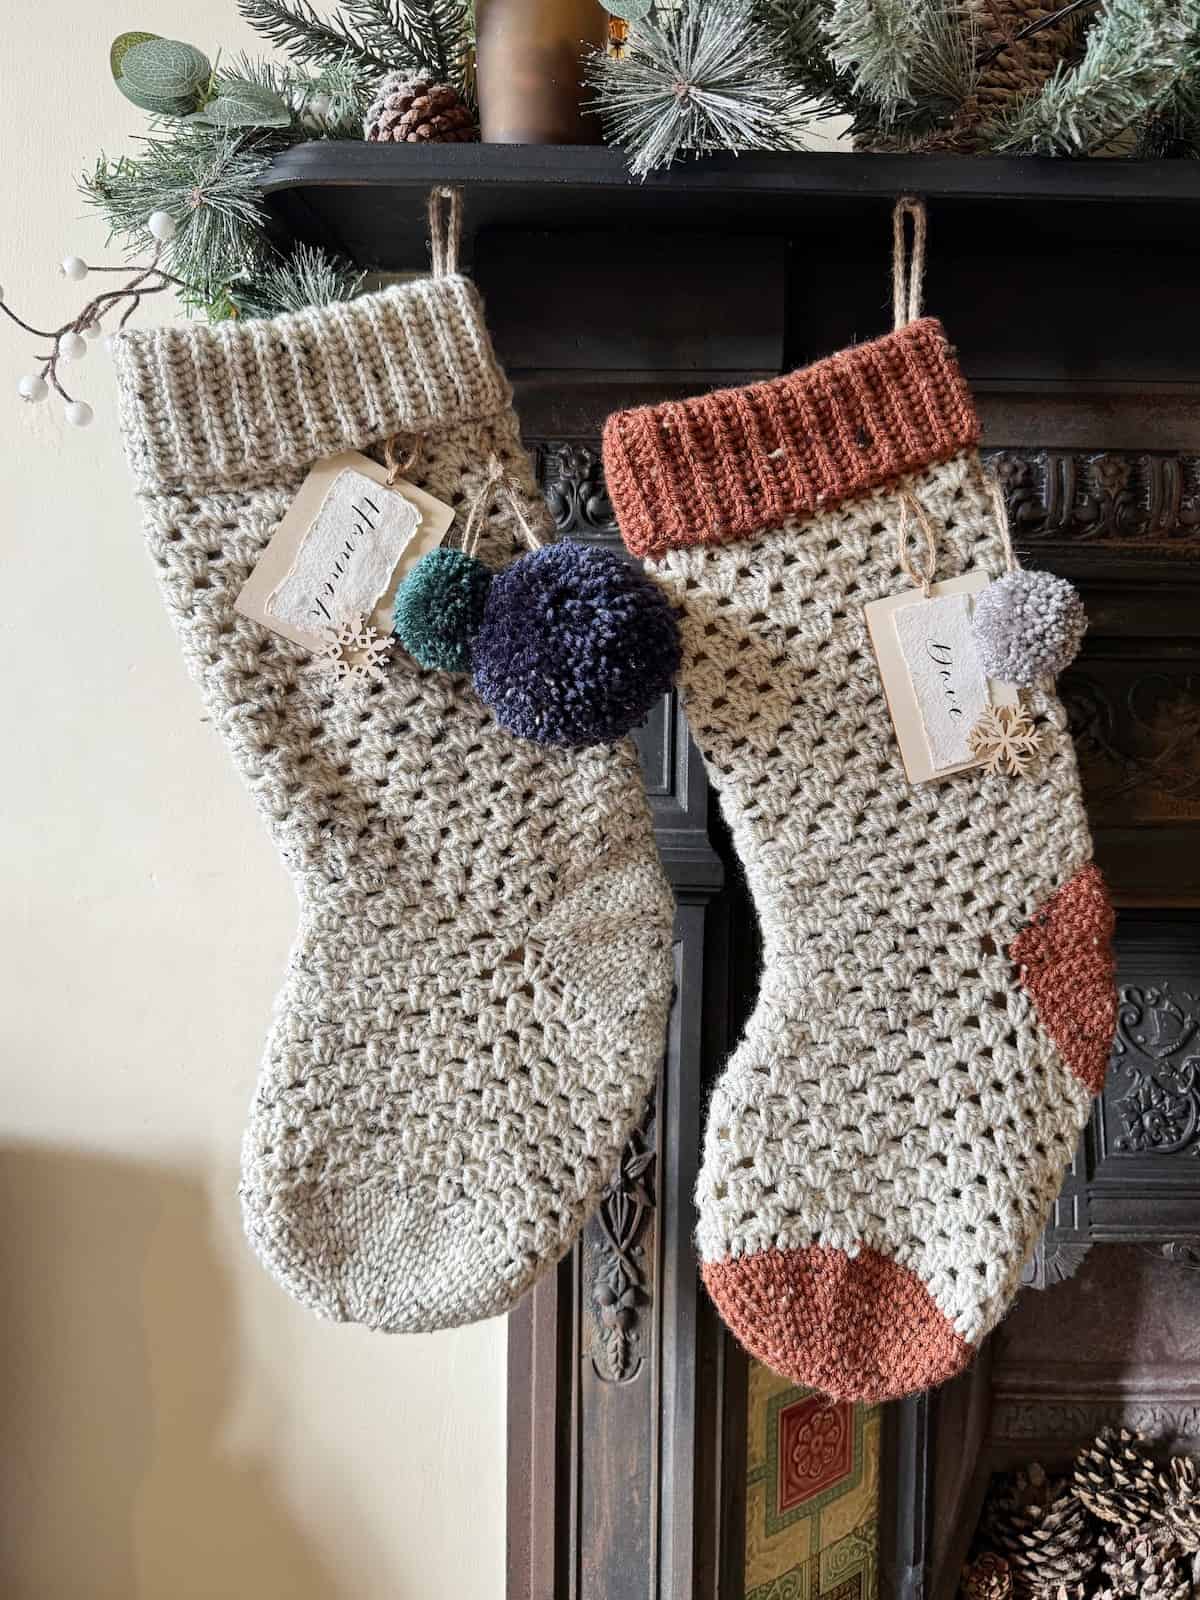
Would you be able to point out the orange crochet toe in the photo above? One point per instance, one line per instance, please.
(855, 1328)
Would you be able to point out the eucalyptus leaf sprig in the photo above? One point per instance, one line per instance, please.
(171, 79)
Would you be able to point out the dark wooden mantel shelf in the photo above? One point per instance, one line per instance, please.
(368, 198)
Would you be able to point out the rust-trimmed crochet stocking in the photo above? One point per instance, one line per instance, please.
(937, 1005)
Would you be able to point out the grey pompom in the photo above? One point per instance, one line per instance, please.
(1028, 627)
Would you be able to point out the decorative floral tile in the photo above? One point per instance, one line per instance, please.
(812, 1502)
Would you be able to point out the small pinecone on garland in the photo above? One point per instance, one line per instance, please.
(987, 1578)
(1042, 1530)
(418, 111)
(1025, 64)
(1117, 1480)
(1138, 1566)
(1180, 1486)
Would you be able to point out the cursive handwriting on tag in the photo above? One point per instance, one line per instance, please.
(341, 550)
(932, 677)
(949, 684)
(349, 552)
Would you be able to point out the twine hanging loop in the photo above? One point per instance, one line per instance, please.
(919, 564)
(498, 482)
(908, 271)
(401, 452)
(445, 229)
(1000, 512)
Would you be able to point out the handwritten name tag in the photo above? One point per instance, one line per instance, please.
(935, 685)
(341, 550)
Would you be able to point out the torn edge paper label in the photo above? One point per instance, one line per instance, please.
(341, 551)
(935, 685)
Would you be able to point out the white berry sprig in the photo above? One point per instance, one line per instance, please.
(69, 344)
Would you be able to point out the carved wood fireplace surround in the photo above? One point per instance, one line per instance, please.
(1073, 292)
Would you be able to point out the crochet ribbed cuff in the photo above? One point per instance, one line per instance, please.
(234, 404)
(728, 465)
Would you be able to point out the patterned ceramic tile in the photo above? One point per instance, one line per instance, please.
(812, 1502)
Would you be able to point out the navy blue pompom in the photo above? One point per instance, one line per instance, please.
(576, 646)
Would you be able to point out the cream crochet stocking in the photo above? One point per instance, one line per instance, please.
(474, 1007)
(937, 1003)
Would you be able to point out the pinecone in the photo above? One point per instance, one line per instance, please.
(1137, 1566)
(1180, 1487)
(1042, 1530)
(987, 1578)
(1117, 1481)
(1023, 67)
(417, 111)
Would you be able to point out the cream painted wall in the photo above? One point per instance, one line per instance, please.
(171, 1424)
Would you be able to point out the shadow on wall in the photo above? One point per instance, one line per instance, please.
(119, 1351)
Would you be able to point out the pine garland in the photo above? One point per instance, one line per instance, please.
(907, 71)
(207, 181)
(706, 78)
(1136, 54)
(879, 42)
(203, 161)
(379, 35)
(310, 276)
(802, 28)
(329, 100)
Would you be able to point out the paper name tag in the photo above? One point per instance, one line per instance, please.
(344, 546)
(934, 683)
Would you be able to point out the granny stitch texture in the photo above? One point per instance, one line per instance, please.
(886, 1141)
(475, 1004)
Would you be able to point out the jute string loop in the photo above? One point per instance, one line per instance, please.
(1000, 511)
(445, 229)
(399, 464)
(498, 482)
(908, 272)
(921, 571)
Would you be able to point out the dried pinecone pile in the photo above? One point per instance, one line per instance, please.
(1117, 1480)
(417, 111)
(1180, 1486)
(1041, 1529)
(1116, 1527)
(988, 1578)
(1140, 1567)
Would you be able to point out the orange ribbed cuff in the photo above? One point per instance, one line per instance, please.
(730, 464)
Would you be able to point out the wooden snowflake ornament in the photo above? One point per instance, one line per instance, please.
(354, 653)
(1005, 741)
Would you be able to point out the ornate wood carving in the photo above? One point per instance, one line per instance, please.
(1181, 1254)
(1146, 502)
(1053, 1262)
(1156, 1060)
(620, 1286)
(1074, 1420)
(1137, 734)
(572, 479)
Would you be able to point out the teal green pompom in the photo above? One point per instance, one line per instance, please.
(439, 607)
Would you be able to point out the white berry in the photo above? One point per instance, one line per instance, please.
(74, 267)
(162, 225)
(92, 331)
(78, 413)
(33, 388)
(72, 347)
